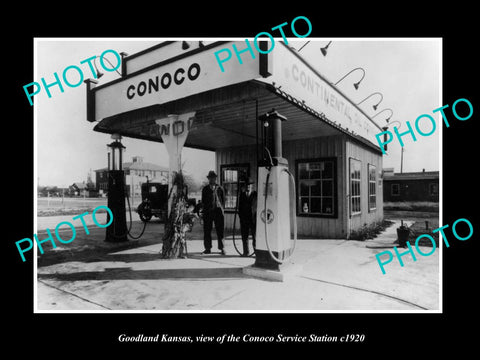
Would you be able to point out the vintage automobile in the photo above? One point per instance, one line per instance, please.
(155, 201)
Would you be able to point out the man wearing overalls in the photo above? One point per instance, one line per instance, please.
(213, 200)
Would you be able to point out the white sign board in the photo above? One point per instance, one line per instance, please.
(174, 131)
(156, 54)
(174, 80)
(300, 81)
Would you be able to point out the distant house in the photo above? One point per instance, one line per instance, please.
(411, 186)
(82, 189)
(52, 191)
(136, 173)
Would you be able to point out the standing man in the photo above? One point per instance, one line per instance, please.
(247, 212)
(213, 200)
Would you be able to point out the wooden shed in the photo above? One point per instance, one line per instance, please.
(411, 186)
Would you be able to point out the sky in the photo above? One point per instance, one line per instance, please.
(406, 71)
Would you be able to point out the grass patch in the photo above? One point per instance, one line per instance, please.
(370, 231)
(420, 228)
(426, 206)
(60, 211)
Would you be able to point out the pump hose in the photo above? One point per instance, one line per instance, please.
(235, 220)
(294, 222)
(130, 226)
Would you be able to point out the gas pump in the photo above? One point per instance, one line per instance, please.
(117, 232)
(273, 243)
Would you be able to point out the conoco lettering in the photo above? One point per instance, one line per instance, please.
(176, 77)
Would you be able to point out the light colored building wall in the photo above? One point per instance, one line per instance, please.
(339, 148)
(366, 216)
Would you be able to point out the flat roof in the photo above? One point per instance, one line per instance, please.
(227, 114)
(420, 175)
(227, 117)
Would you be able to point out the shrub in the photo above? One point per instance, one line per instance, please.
(370, 231)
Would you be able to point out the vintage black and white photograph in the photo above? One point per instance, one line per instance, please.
(247, 174)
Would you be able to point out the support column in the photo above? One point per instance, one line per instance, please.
(174, 131)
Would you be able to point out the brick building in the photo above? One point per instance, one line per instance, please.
(136, 173)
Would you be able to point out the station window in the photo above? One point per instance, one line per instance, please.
(232, 178)
(372, 187)
(395, 189)
(316, 179)
(433, 189)
(355, 181)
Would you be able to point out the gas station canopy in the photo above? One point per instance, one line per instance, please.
(165, 80)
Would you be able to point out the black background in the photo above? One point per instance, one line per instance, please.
(86, 334)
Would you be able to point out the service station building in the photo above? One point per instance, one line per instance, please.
(328, 141)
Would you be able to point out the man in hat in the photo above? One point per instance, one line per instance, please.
(213, 200)
(247, 212)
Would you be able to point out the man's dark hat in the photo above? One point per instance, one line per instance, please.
(249, 181)
(211, 174)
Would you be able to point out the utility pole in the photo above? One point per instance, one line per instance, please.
(401, 162)
(132, 192)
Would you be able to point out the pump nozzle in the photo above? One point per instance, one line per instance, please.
(269, 157)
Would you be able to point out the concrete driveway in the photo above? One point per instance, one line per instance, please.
(334, 275)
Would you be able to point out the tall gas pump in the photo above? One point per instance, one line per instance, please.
(116, 232)
(274, 245)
